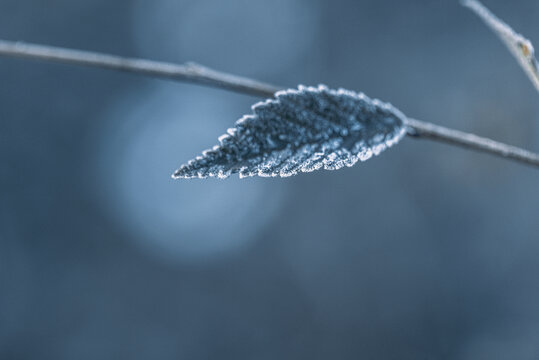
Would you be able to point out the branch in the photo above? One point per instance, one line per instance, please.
(470, 141)
(518, 45)
(190, 72)
(194, 73)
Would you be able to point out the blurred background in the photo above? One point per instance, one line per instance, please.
(425, 252)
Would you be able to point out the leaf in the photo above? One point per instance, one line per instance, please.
(301, 131)
(518, 45)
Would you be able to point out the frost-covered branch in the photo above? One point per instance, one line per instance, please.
(471, 141)
(521, 48)
(201, 75)
(190, 72)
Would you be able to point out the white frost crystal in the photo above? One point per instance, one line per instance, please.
(301, 130)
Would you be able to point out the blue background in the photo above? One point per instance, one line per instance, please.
(425, 252)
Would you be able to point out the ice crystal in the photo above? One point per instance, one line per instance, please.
(518, 45)
(301, 130)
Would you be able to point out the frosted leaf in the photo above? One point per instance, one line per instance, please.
(301, 130)
(518, 45)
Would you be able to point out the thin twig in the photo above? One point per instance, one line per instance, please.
(455, 137)
(190, 72)
(201, 75)
(518, 45)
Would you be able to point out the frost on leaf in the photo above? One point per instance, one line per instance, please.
(301, 131)
(518, 45)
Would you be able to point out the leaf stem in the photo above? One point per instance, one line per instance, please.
(194, 73)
